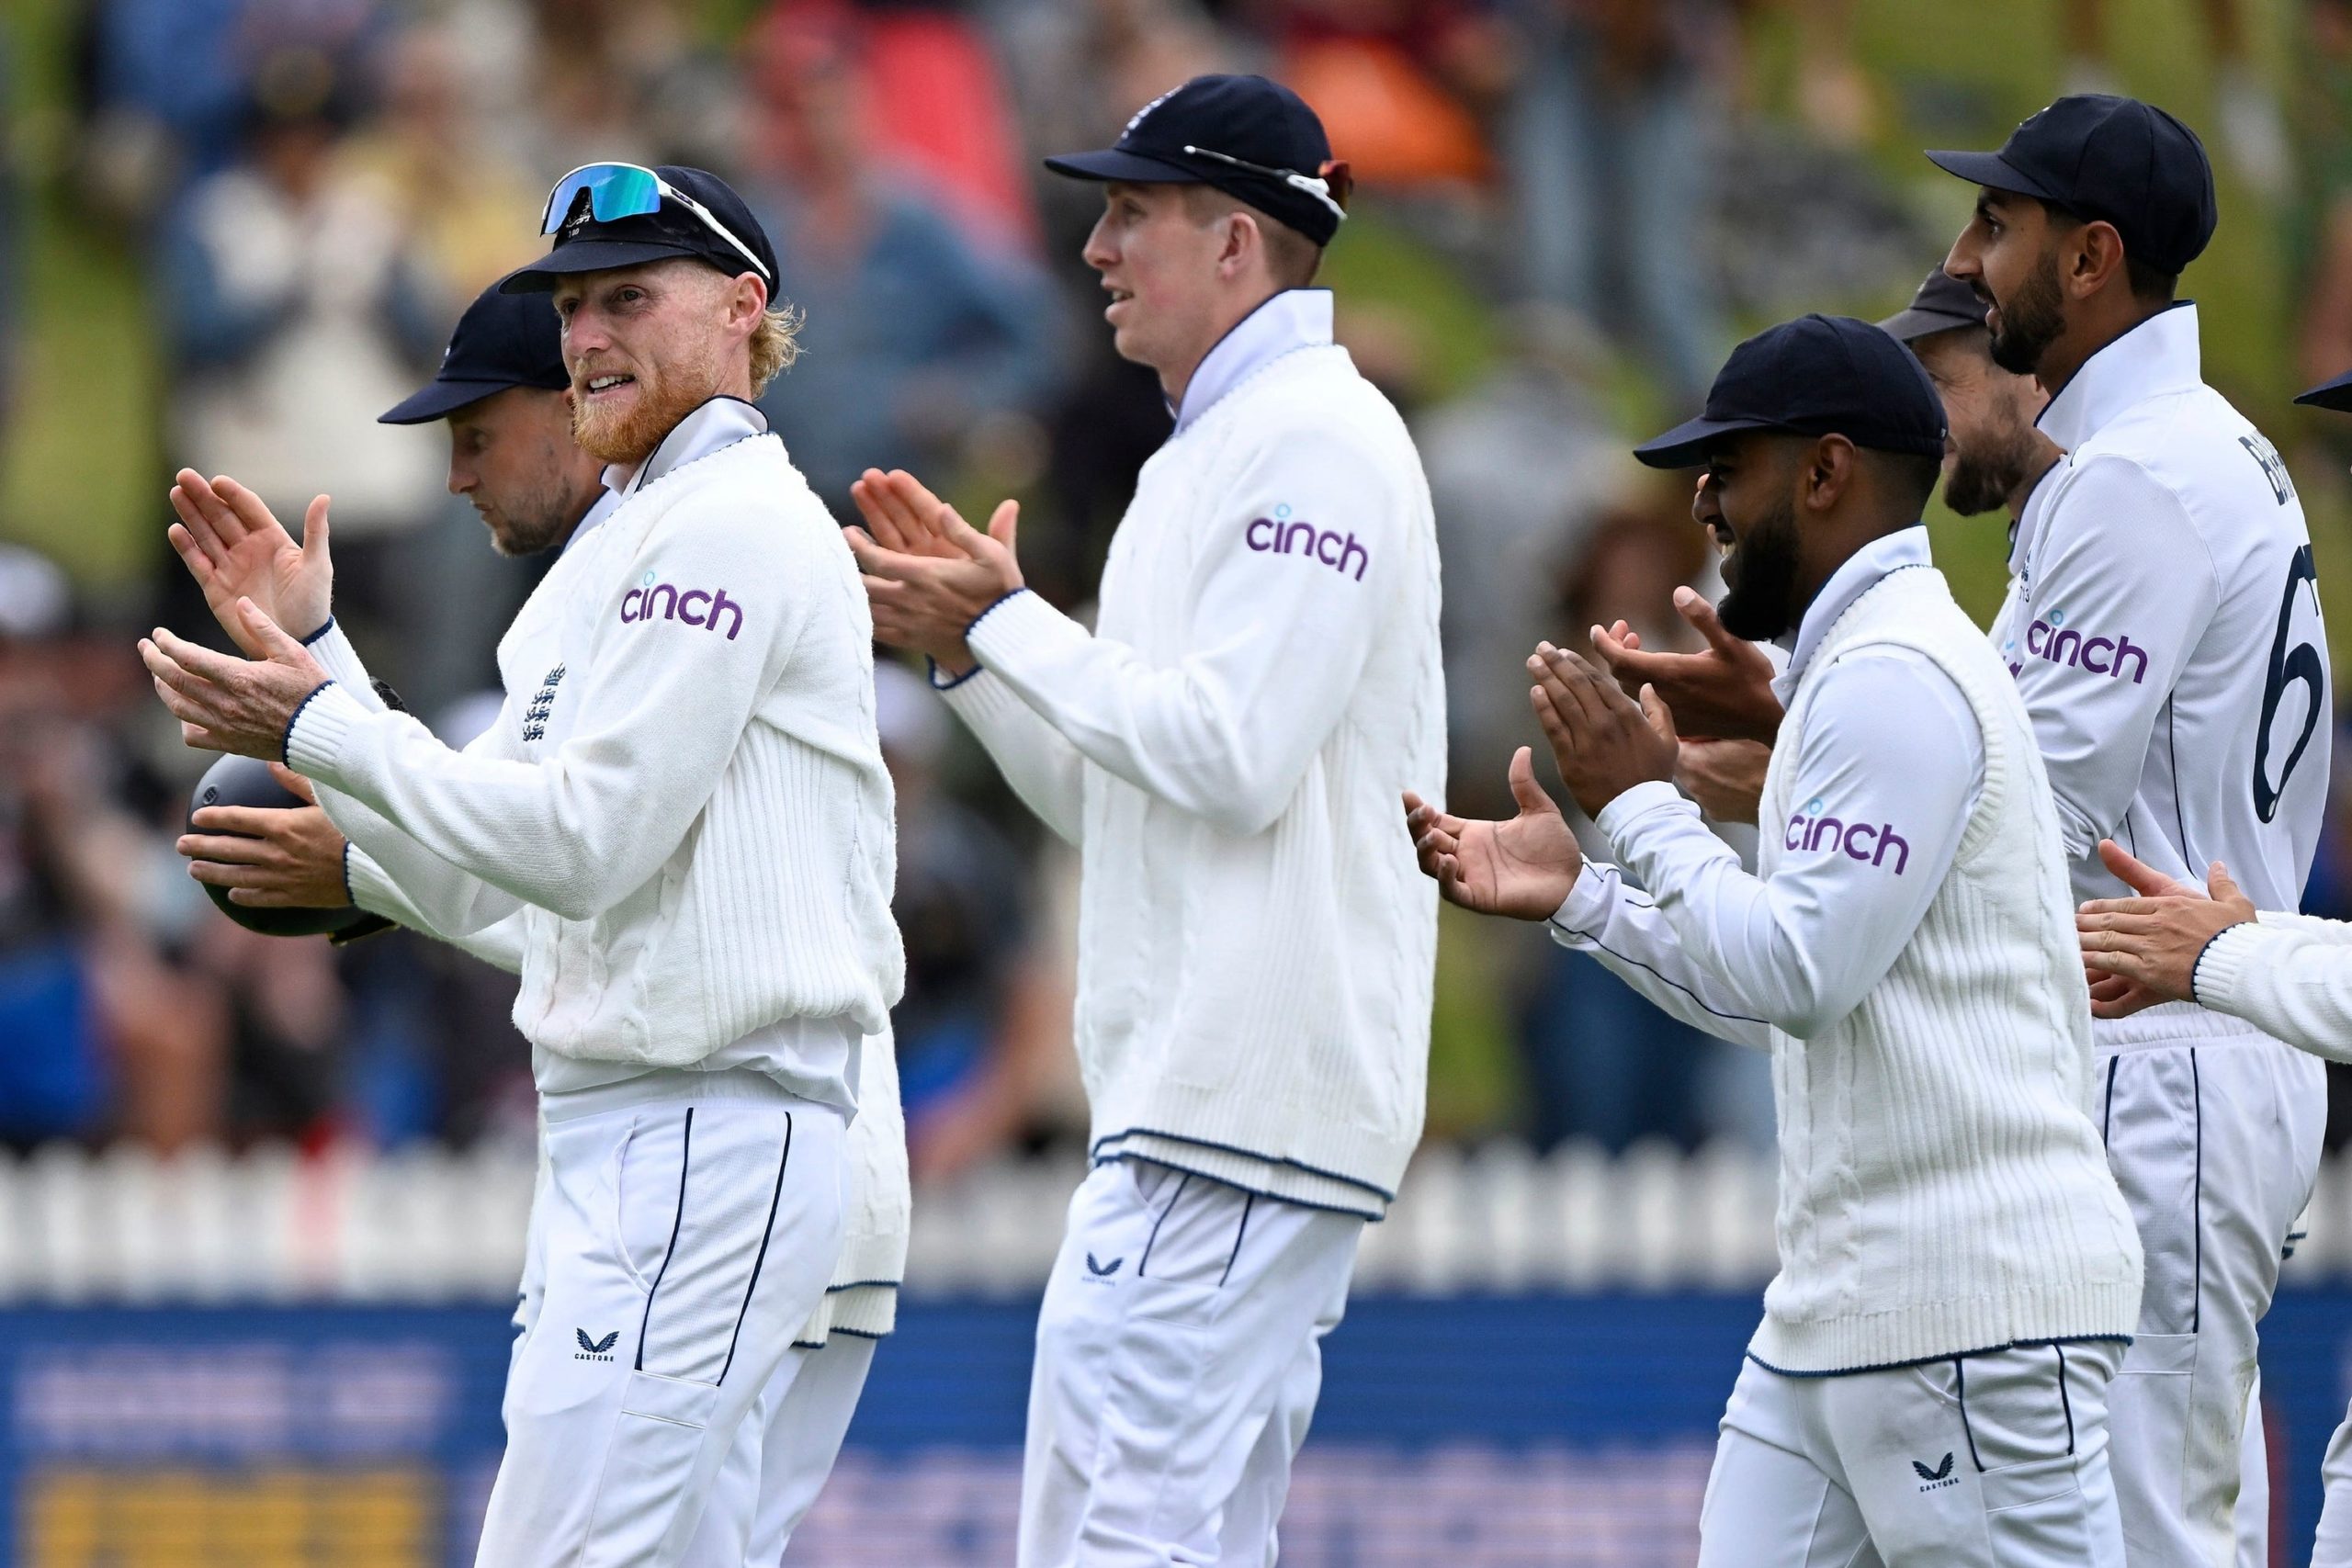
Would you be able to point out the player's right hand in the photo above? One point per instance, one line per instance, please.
(1524, 868)
(902, 514)
(1724, 694)
(1725, 777)
(235, 548)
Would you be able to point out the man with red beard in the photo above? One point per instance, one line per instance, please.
(687, 814)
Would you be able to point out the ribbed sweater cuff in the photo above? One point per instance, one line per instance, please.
(369, 887)
(315, 738)
(1017, 631)
(2217, 978)
(341, 661)
(1639, 802)
(981, 696)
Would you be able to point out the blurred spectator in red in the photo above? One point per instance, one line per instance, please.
(297, 315)
(916, 343)
(1609, 142)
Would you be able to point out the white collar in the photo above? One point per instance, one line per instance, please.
(722, 422)
(1294, 319)
(2159, 355)
(1859, 572)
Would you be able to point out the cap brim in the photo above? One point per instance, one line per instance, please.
(1133, 168)
(1685, 447)
(589, 255)
(439, 400)
(1909, 326)
(2335, 395)
(1990, 169)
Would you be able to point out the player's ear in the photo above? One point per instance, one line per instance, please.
(1828, 469)
(2093, 254)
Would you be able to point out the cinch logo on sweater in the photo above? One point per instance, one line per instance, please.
(1811, 830)
(693, 606)
(2053, 639)
(1286, 535)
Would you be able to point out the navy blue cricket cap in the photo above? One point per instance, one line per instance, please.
(1942, 304)
(686, 212)
(1814, 376)
(503, 340)
(1252, 139)
(2112, 158)
(2334, 394)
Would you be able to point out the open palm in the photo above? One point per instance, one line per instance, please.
(1523, 868)
(235, 548)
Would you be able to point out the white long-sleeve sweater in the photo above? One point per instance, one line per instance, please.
(689, 812)
(2289, 976)
(1227, 748)
(1942, 1185)
(862, 1297)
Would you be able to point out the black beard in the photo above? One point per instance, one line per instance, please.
(1760, 604)
(2031, 321)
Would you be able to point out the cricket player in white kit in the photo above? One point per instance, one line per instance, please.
(1958, 1273)
(503, 390)
(2286, 973)
(1255, 952)
(2163, 625)
(689, 817)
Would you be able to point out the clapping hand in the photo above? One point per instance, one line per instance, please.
(233, 704)
(235, 548)
(928, 573)
(1604, 742)
(1724, 694)
(1523, 868)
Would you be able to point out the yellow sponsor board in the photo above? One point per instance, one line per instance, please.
(278, 1518)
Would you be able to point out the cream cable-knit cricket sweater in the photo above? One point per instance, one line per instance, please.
(1228, 748)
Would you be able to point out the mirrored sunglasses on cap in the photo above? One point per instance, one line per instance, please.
(629, 190)
(1329, 186)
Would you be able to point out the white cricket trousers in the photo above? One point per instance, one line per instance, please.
(783, 1455)
(1992, 1460)
(1179, 1358)
(679, 1246)
(2215, 1144)
(2333, 1547)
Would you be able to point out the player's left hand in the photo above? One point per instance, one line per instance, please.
(233, 704)
(2152, 943)
(926, 596)
(1602, 742)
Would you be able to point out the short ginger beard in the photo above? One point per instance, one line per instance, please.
(666, 393)
(2033, 320)
(1760, 604)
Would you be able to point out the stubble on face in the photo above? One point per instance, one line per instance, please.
(673, 356)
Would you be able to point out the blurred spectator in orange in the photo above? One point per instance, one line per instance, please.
(1399, 84)
(297, 315)
(916, 343)
(1610, 141)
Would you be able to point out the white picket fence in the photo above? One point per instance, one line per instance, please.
(433, 1226)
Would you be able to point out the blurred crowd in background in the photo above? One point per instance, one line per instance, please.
(233, 231)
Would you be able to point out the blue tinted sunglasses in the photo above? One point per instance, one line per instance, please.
(627, 190)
